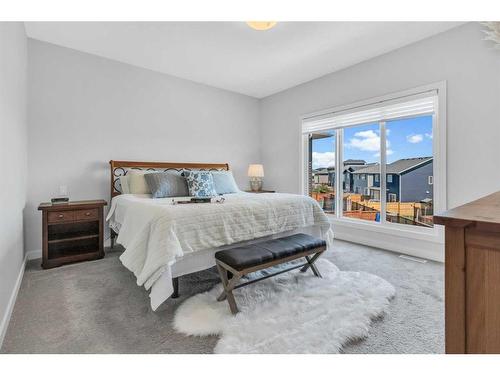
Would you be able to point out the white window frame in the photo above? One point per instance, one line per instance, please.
(390, 178)
(439, 165)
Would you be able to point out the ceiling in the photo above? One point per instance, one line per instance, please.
(232, 56)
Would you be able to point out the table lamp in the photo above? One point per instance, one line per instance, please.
(256, 174)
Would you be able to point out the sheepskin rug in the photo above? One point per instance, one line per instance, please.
(293, 312)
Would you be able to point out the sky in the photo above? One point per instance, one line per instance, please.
(406, 138)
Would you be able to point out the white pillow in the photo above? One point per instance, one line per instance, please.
(124, 184)
(137, 182)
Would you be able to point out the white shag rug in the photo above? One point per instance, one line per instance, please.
(293, 312)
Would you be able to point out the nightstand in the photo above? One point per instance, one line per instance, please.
(72, 232)
(260, 191)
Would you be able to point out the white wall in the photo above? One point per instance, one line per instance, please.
(471, 68)
(13, 160)
(85, 110)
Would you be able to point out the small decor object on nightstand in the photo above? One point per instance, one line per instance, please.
(72, 232)
(256, 174)
(60, 200)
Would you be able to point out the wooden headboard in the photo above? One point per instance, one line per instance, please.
(120, 168)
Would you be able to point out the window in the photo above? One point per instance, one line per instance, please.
(360, 144)
(386, 142)
(321, 167)
(410, 156)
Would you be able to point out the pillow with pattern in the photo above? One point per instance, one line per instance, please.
(200, 183)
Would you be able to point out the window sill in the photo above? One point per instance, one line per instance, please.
(435, 235)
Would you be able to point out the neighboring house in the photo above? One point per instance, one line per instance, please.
(320, 176)
(408, 180)
(350, 165)
(349, 177)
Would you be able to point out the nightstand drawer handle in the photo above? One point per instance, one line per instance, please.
(61, 216)
(87, 213)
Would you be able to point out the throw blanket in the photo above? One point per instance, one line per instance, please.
(155, 233)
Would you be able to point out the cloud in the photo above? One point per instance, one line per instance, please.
(369, 141)
(366, 140)
(415, 138)
(366, 134)
(323, 159)
(428, 135)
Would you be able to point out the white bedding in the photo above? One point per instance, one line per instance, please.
(156, 233)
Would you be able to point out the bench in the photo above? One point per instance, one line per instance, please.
(237, 262)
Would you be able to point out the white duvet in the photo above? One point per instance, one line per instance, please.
(155, 232)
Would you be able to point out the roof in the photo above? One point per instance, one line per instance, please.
(354, 162)
(320, 135)
(320, 171)
(351, 167)
(398, 167)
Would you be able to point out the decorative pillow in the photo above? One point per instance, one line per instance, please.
(167, 184)
(200, 183)
(137, 182)
(124, 184)
(224, 182)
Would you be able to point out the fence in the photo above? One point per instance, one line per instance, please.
(359, 206)
(368, 212)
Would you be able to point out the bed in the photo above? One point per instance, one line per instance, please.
(164, 241)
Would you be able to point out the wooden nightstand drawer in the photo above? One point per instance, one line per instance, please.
(60, 216)
(91, 214)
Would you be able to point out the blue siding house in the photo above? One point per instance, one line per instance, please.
(350, 165)
(408, 180)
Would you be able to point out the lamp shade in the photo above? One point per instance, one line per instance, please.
(261, 25)
(255, 170)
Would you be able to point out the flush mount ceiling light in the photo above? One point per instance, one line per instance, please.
(261, 25)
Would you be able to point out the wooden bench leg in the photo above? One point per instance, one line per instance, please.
(175, 284)
(228, 289)
(310, 263)
(225, 281)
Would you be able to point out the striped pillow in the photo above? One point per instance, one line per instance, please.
(167, 184)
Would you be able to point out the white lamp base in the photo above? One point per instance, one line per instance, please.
(256, 184)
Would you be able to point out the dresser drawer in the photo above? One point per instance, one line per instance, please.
(91, 214)
(61, 216)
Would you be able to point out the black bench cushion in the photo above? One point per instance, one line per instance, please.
(256, 254)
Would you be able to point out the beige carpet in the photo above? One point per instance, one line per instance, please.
(96, 307)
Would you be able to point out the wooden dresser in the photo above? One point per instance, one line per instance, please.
(72, 232)
(472, 276)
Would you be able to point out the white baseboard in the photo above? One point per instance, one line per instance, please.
(34, 254)
(399, 247)
(12, 300)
